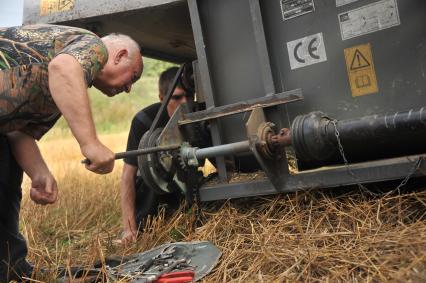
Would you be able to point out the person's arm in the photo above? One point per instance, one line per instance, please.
(128, 196)
(69, 91)
(43, 185)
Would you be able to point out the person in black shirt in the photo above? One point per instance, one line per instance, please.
(137, 200)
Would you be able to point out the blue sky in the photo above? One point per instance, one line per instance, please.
(11, 12)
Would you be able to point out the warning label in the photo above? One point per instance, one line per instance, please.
(359, 61)
(294, 8)
(53, 6)
(344, 2)
(374, 17)
(360, 68)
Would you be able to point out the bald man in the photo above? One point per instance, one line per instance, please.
(45, 71)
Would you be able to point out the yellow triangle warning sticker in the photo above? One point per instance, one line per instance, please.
(359, 61)
(360, 68)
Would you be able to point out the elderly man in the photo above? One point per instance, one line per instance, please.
(45, 71)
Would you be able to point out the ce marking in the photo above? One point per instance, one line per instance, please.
(306, 51)
(311, 50)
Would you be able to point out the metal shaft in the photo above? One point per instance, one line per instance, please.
(148, 150)
(314, 137)
(220, 150)
(138, 152)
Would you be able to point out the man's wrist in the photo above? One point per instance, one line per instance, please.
(40, 173)
(129, 224)
(87, 142)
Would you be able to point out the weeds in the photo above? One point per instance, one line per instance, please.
(318, 236)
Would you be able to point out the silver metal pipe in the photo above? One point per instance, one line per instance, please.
(221, 150)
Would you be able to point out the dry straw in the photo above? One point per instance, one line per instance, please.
(339, 235)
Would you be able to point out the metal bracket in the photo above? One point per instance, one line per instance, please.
(244, 106)
(276, 169)
(171, 133)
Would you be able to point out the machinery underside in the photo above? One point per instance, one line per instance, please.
(313, 142)
(305, 94)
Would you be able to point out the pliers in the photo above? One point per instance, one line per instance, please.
(177, 277)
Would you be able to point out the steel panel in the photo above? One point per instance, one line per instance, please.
(162, 28)
(88, 9)
(232, 54)
(399, 55)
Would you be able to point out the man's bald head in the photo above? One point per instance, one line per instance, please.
(124, 66)
(116, 41)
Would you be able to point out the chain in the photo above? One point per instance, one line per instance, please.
(413, 169)
(193, 194)
(198, 221)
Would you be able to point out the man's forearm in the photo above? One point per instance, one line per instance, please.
(69, 91)
(27, 154)
(43, 189)
(128, 197)
(128, 207)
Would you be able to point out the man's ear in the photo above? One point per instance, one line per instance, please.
(122, 53)
(161, 97)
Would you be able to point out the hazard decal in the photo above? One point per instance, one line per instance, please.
(53, 6)
(360, 68)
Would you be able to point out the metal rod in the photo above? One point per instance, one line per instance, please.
(147, 150)
(221, 150)
(138, 152)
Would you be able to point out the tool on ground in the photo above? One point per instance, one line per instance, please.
(180, 262)
(177, 277)
(165, 271)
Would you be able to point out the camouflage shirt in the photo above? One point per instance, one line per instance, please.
(25, 52)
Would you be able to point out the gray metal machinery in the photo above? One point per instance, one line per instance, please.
(347, 77)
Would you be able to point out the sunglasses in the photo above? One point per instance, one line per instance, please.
(178, 97)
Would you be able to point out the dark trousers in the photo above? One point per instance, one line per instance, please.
(13, 248)
(147, 202)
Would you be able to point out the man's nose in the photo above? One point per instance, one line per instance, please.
(128, 88)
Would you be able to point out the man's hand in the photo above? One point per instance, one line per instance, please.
(101, 158)
(44, 189)
(129, 237)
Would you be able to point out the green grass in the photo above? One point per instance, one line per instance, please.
(114, 114)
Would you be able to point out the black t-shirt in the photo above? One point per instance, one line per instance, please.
(141, 124)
